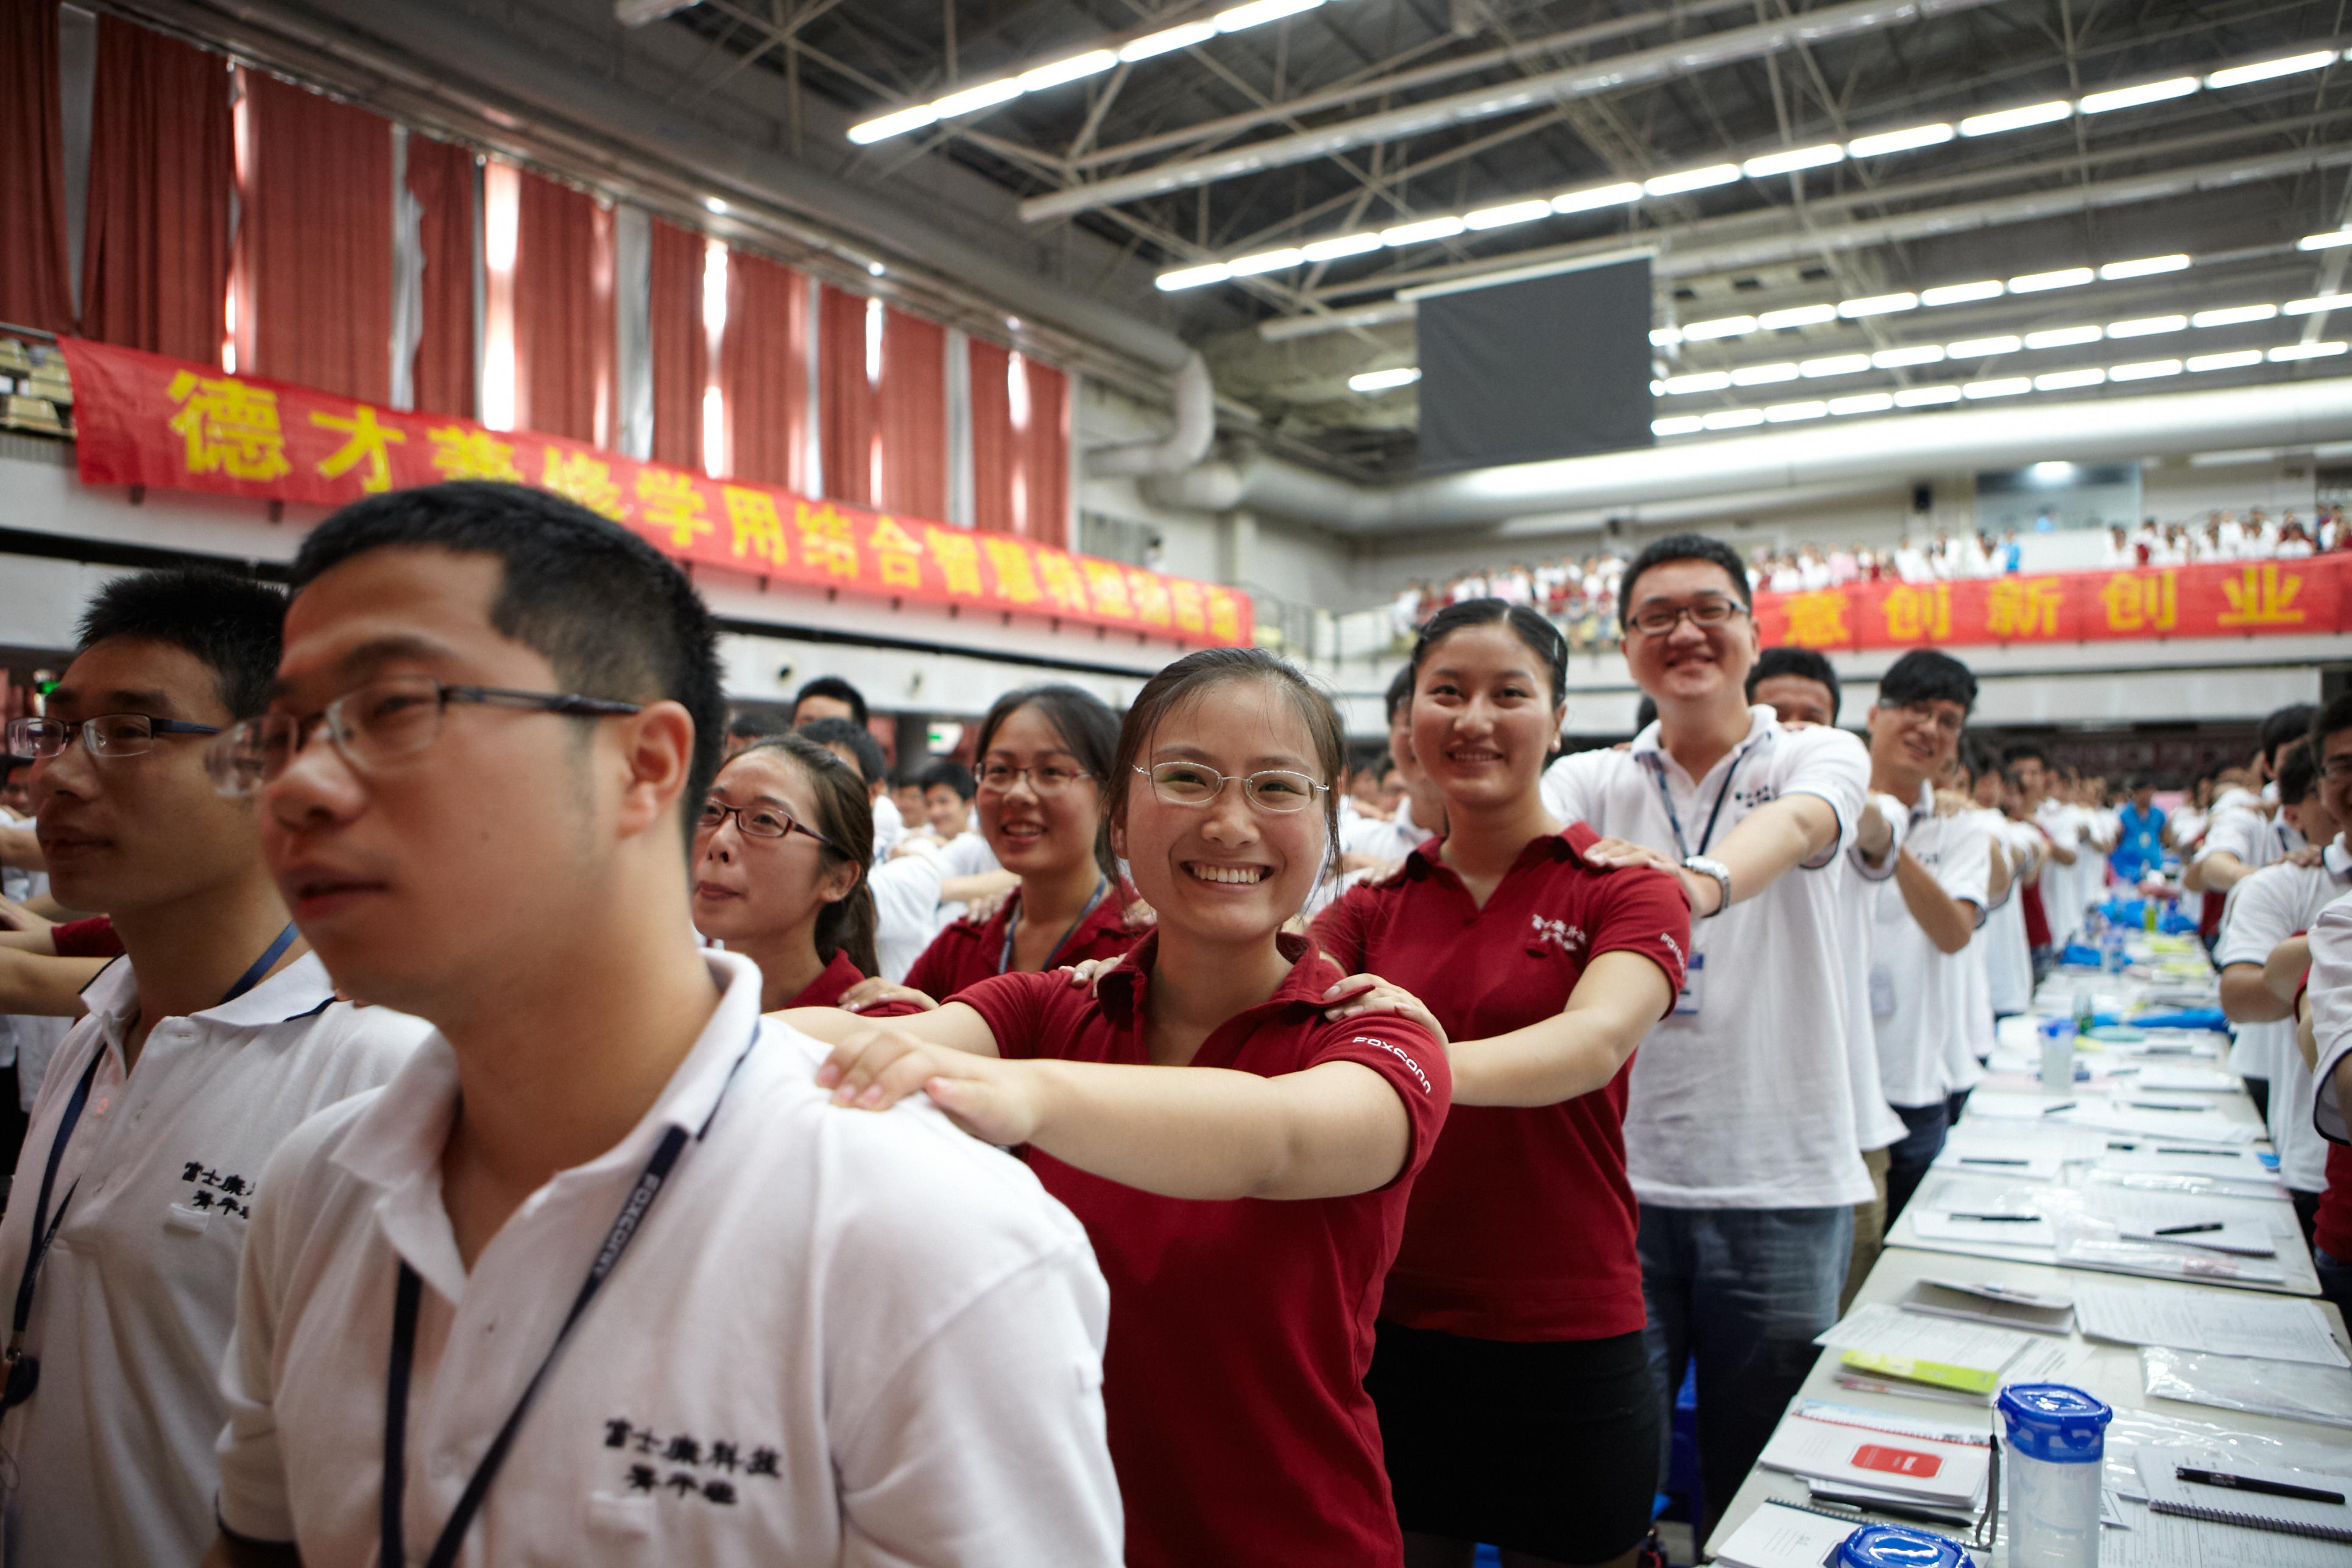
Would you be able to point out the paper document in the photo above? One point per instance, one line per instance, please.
(2244, 1505)
(1986, 1302)
(1901, 1466)
(1935, 1225)
(2224, 1322)
(1778, 1536)
(2038, 1165)
(2192, 1079)
(2243, 1238)
(1876, 1326)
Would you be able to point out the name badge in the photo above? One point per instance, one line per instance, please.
(1693, 982)
(1881, 991)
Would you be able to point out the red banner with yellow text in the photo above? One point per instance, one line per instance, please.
(144, 419)
(2238, 599)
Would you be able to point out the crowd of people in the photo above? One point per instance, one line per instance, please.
(1578, 595)
(509, 1111)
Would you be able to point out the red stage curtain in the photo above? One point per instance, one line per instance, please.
(913, 416)
(1021, 468)
(34, 287)
(156, 254)
(441, 178)
(564, 312)
(846, 398)
(316, 240)
(680, 346)
(763, 370)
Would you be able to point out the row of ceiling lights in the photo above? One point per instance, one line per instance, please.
(1798, 316)
(1790, 162)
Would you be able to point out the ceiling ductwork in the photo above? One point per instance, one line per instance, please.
(1187, 444)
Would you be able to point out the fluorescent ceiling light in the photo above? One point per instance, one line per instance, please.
(2068, 380)
(2237, 359)
(717, 205)
(1764, 374)
(2147, 326)
(987, 95)
(1790, 162)
(2063, 278)
(2306, 351)
(1863, 402)
(893, 124)
(1664, 337)
(1507, 213)
(2146, 267)
(2144, 370)
(1265, 261)
(2236, 315)
(1338, 245)
(1797, 316)
(1384, 380)
(1692, 179)
(1983, 348)
(2318, 302)
(1898, 141)
(2133, 97)
(1092, 63)
(643, 13)
(1680, 424)
(1896, 359)
(1732, 418)
(1783, 412)
(1926, 396)
(1597, 196)
(2238, 76)
(1963, 293)
(1192, 277)
(2003, 120)
(2062, 337)
(1699, 381)
(1834, 365)
(1258, 11)
(1182, 36)
(1721, 326)
(1427, 228)
(1878, 305)
(2332, 238)
(2007, 386)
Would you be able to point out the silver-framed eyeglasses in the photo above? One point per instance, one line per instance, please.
(1045, 778)
(374, 724)
(758, 820)
(106, 735)
(1197, 784)
(1659, 620)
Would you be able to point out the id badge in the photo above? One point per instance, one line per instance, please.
(1694, 985)
(1881, 991)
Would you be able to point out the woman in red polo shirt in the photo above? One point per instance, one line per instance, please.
(1245, 1210)
(780, 861)
(1515, 1402)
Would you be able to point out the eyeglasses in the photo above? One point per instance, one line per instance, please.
(1043, 778)
(1195, 784)
(107, 735)
(755, 821)
(373, 725)
(2336, 769)
(1924, 711)
(1658, 620)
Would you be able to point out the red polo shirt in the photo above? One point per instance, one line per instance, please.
(827, 989)
(91, 938)
(968, 951)
(2333, 1224)
(1239, 1331)
(1522, 1227)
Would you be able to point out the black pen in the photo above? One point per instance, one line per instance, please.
(2256, 1484)
(2061, 1105)
(1989, 1160)
(2159, 1105)
(2188, 1229)
(2202, 1153)
(2004, 1218)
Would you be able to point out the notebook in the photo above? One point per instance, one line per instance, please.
(2314, 1521)
(1899, 1465)
(1988, 1301)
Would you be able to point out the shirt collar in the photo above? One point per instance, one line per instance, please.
(1121, 988)
(297, 990)
(827, 989)
(1762, 722)
(2338, 859)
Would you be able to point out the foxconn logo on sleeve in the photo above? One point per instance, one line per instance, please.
(1410, 1065)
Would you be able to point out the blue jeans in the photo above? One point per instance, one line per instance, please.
(2335, 1279)
(1909, 1159)
(1743, 1291)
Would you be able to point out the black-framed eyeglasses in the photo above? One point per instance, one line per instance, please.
(1045, 778)
(758, 820)
(1197, 784)
(374, 724)
(106, 735)
(2336, 769)
(1658, 620)
(1925, 712)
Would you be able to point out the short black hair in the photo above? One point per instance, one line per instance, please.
(1400, 693)
(2334, 715)
(1976, 758)
(1924, 674)
(2021, 751)
(2298, 772)
(233, 625)
(840, 690)
(860, 741)
(945, 770)
(758, 723)
(2291, 722)
(1803, 663)
(1682, 547)
(614, 616)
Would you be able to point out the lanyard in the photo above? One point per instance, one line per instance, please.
(406, 1297)
(1674, 817)
(1012, 923)
(24, 1372)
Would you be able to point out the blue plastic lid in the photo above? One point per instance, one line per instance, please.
(2056, 1028)
(2055, 1423)
(1900, 1546)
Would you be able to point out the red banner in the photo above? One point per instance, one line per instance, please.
(144, 419)
(2242, 599)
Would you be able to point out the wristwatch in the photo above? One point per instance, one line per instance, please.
(1707, 867)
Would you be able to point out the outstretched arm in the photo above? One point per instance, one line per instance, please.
(1575, 1051)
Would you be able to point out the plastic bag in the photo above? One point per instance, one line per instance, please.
(2294, 1390)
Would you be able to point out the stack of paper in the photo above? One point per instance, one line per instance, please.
(1942, 1352)
(2226, 1323)
(1888, 1463)
(1778, 1536)
(1988, 1301)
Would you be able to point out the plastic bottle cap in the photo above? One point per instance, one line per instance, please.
(1900, 1546)
(2055, 1422)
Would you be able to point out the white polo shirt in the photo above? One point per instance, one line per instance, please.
(138, 1293)
(2008, 956)
(1874, 1119)
(1748, 1103)
(1917, 991)
(2260, 841)
(1972, 1043)
(838, 1337)
(906, 891)
(2330, 985)
(2265, 910)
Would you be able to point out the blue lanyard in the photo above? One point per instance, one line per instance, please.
(1012, 923)
(1674, 817)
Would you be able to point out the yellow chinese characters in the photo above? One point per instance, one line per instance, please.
(1064, 586)
(365, 440)
(2019, 607)
(673, 501)
(898, 553)
(1014, 579)
(1150, 597)
(758, 531)
(230, 427)
(2135, 603)
(825, 540)
(1817, 619)
(1186, 597)
(461, 452)
(2262, 596)
(958, 554)
(577, 477)
(1919, 612)
(1224, 617)
(1107, 587)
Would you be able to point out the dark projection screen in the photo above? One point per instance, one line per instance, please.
(1547, 367)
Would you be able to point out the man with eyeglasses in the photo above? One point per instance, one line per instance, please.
(203, 1048)
(1740, 1134)
(602, 1275)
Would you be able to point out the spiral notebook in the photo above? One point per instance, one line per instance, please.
(2248, 1510)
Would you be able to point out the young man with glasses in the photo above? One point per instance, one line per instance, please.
(1740, 1136)
(601, 1276)
(210, 1041)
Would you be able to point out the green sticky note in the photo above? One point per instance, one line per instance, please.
(1940, 1375)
